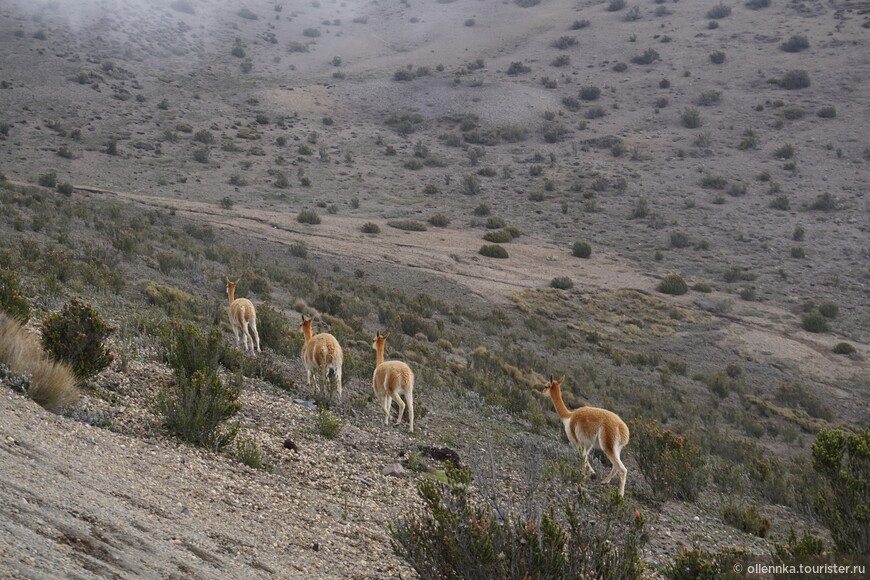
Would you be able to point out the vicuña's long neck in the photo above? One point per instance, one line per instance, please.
(379, 354)
(231, 293)
(306, 330)
(556, 395)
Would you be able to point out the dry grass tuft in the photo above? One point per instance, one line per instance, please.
(52, 384)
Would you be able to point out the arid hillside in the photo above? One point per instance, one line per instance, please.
(665, 202)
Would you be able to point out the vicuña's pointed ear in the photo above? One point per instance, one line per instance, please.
(562, 380)
(386, 336)
(228, 279)
(551, 378)
(378, 335)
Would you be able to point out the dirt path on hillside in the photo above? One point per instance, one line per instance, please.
(766, 333)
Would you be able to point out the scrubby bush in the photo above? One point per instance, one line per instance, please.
(796, 43)
(11, 300)
(457, 535)
(814, 322)
(75, 336)
(493, 251)
(825, 202)
(709, 98)
(698, 564)
(196, 403)
(844, 461)
(671, 465)
(493, 222)
(439, 220)
(370, 228)
(717, 57)
(470, 185)
(690, 117)
(747, 519)
(407, 225)
(562, 283)
(590, 93)
(757, 4)
(780, 202)
(615, 5)
(843, 348)
(498, 236)
(794, 79)
(516, 68)
(308, 216)
(328, 425)
(718, 12)
(827, 112)
(673, 284)
(581, 249)
(48, 179)
(648, 56)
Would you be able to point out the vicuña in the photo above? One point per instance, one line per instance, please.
(243, 316)
(590, 427)
(321, 351)
(391, 379)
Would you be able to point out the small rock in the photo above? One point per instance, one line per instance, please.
(289, 444)
(315, 546)
(393, 470)
(305, 403)
(185, 511)
(697, 519)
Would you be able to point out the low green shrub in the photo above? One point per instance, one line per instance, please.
(407, 225)
(843, 460)
(814, 322)
(562, 283)
(370, 228)
(796, 43)
(457, 535)
(493, 251)
(581, 249)
(690, 117)
(328, 425)
(12, 301)
(718, 12)
(75, 336)
(844, 348)
(249, 453)
(673, 284)
(195, 405)
(698, 564)
(671, 465)
(308, 216)
(747, 519)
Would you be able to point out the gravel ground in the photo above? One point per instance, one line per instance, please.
(79, 501)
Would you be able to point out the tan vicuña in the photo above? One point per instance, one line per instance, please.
(321, 351)
(390, 380)
(243, 316)
(590, 427)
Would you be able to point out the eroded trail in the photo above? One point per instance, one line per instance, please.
(767, 334)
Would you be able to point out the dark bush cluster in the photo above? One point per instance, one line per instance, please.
(673, 284)
(76, 336)
(671, 465)
(459, 536)
(11, 299)
(196, 404)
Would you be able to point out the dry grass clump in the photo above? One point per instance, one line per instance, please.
(52, 384)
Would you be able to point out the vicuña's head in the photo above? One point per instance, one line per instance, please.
(552, 384)
(231, 286)
(379, 340)
(306, 323)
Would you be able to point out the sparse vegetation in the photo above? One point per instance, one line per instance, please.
(493, 251)
(76, 336)
(673, 284)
